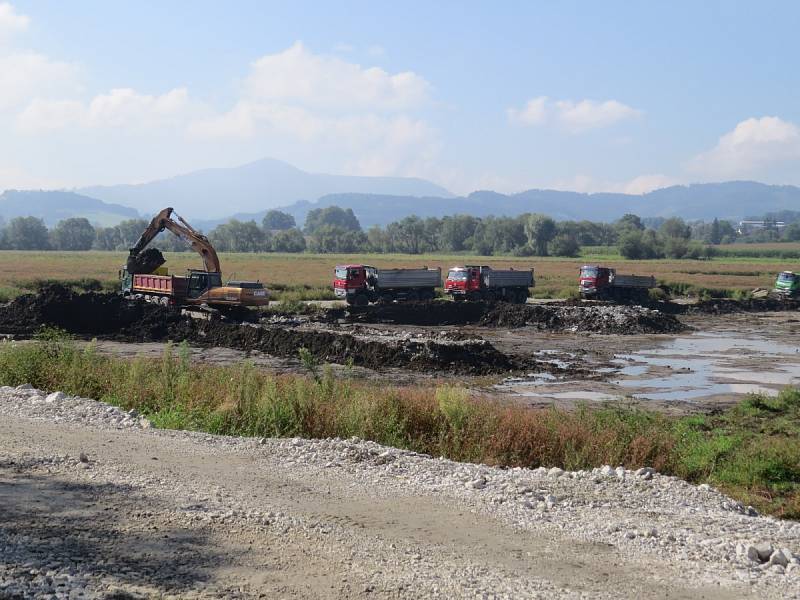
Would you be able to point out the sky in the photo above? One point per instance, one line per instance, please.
(508, 96)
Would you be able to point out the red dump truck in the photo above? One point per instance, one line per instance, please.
(473, 282)
(603, 283)
(196, 288)
(361, 284)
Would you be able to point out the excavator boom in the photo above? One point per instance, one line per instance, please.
(163, 220)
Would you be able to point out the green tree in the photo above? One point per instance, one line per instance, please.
(565, 244)
(73, 234)
(629, 222)
(378, 240)
(276, 220)
(337, 239)
(456, 232)
(331, 215)
(130, 231)
(675, 227)
(107, 238)
(407, 235)
(540, 229)
(289, 240)
(715, 233)
(27, 233)
(792, 232)
(239, 236)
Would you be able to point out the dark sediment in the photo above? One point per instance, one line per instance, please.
(110, 316)
(556, 316)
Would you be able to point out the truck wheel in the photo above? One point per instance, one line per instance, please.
(360, 300)
(164, 301)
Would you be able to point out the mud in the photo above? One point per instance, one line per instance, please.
(561, 316)
(109, 316)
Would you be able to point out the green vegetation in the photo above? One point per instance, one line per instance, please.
(752, 451)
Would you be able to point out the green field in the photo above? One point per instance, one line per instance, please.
(308, 276)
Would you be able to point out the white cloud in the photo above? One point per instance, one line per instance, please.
(533, 113)
(301, 77)
(25, 75)
(10, 21)
(575, 117)
(121, 108)
(362, 116)
(755, 146)
(15, 178)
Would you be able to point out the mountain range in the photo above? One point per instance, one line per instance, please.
(264, 184)
(732, 200)
(212, 196)
(53, 206)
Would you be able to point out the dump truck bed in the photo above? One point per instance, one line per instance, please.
(508, 278)
(634, 281)
(170, 285)
(409, 278)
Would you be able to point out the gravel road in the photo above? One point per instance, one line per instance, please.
(95, 503)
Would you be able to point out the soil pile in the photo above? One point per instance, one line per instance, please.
(624, 320)
(474, 356)
(110, 316)
(562, 316)
(419, 313)
(722, 306)
(90, 313)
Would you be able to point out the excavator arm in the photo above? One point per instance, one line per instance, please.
(198, 242)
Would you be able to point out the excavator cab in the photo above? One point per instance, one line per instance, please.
(202, 281)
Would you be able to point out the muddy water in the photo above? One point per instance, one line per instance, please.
(727, 358)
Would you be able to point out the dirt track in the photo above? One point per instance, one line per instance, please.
(152, 512)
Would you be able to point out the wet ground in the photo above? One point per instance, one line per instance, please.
(722, 359)
(700, 358)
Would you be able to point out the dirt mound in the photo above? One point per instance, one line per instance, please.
(110, 316)
(594, 319)
(88, 313)
(561, 316)
(435, 312)
(721, 306)
(146, 261)
(475, 356)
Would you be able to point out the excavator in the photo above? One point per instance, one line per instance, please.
(201, 290)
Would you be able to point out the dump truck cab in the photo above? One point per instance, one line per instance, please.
(482, 282)
(787, 284)
(594, 278)
(351, 279)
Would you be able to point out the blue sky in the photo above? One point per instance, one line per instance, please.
(616, 96)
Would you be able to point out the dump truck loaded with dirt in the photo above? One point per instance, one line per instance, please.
(143, 277)
(360, 285)
(604, 283)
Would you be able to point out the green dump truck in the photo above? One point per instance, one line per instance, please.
(787, 284)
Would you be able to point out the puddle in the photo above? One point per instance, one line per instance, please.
(696, 366)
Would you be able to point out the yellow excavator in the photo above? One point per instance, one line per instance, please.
(143, 277)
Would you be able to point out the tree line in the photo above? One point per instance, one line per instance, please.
(337, 230)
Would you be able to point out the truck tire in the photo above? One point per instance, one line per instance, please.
(360, 300)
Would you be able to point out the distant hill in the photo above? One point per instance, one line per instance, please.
(53, 206)
(731, 200)
(264, 184)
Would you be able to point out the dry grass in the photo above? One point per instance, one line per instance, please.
(292, 271)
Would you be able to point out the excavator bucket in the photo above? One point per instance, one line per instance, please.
(145, 262)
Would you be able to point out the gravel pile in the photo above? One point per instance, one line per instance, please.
(658, 528)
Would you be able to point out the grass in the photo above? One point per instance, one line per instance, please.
(309, 276)
(752, 451)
